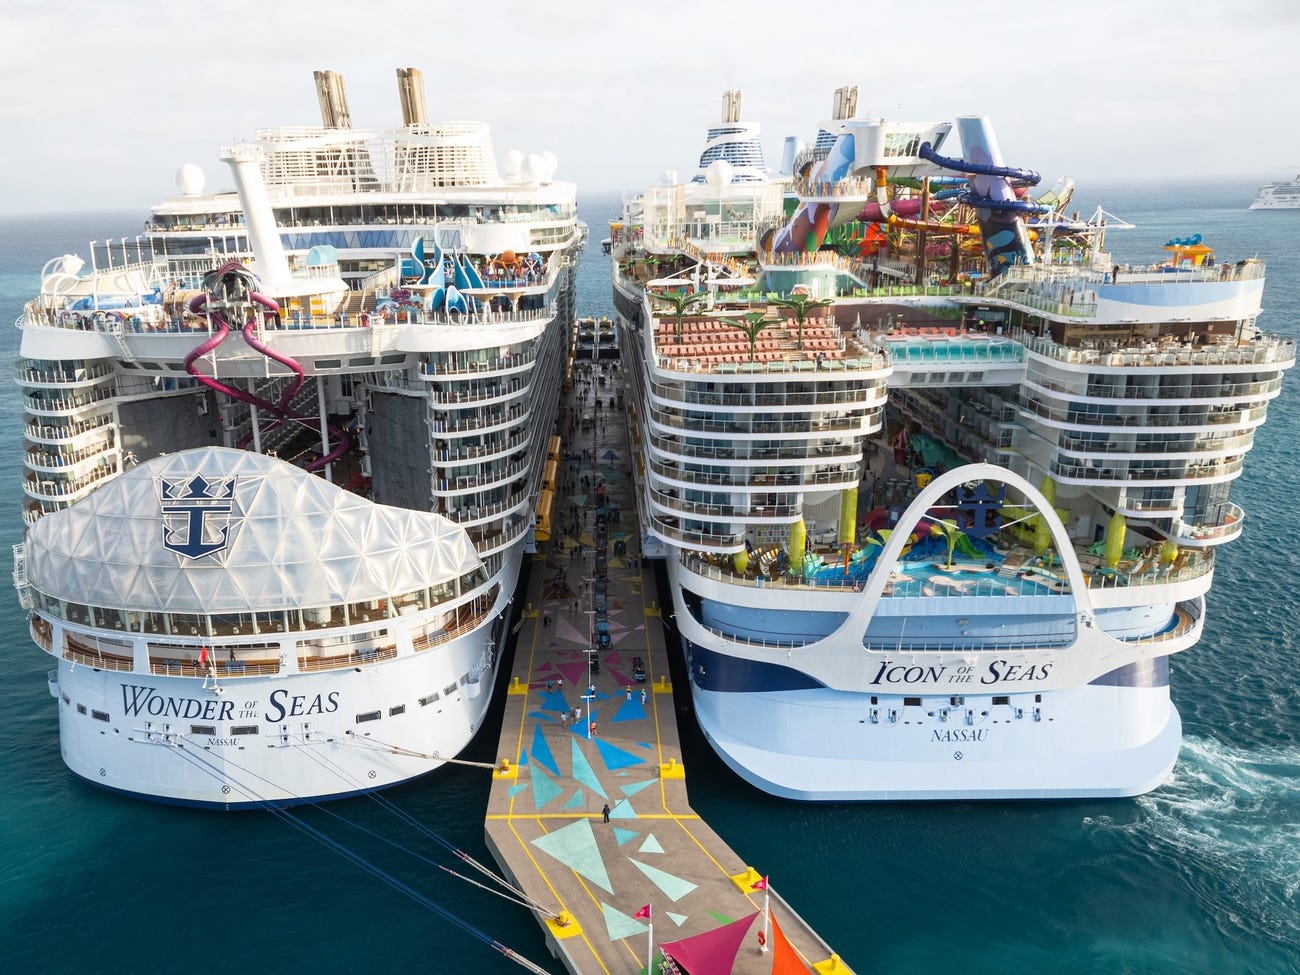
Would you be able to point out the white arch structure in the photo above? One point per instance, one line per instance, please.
(858, 618)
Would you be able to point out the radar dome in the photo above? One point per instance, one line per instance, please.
(719, 173)
(552, 163)
(534, 169)
(514, 159)
(190, 179)
(668, 177)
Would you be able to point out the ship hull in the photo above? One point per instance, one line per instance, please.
(787, 734)
(259, 742)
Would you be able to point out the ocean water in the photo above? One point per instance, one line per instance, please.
(1201, 875)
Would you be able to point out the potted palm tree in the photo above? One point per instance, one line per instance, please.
(754, 322)
(680, 302)
(803, 306)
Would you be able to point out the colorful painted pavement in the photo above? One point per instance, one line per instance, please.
(592, 816)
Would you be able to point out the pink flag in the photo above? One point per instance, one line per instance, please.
(759, 884)
(644, 912)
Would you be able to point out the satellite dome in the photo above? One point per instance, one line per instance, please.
(551, 162)
(534, 169)
(668, 177)
(719, 173)
(513, 161)
(190, 179)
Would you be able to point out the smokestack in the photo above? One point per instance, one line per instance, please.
(333, 100)
(410, 88)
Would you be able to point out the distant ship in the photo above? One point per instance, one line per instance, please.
(284, 455)
(1278, 196)
(939, 485)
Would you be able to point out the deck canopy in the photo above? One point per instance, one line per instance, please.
(216, 530)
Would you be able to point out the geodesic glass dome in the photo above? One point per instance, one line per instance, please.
(217, 530)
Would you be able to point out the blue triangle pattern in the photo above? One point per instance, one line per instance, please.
(622, 810)
(623, 835)
(575, 802)
(544, 787)
(583, 772)
(542, 751)
(616, 758)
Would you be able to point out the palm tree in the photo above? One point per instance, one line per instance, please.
(755, 322)
(803, 306)
(680, 301)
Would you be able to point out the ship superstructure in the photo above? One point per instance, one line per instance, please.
(938, 483)
(380, 309)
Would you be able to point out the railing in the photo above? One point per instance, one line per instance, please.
(184, 667)
(808, 428)
(79, 653)
(25, 372)
(1194, 471)
(1075, 417)
(476, 367)
(824, 396)
(477, 452)
(1191, 445)
(792, 450)
(1159, 394)
(702, 509)
(352, 658)
(59, 489)
(467, 424)
(63, 432)
(45, 459)
(479, 512)
(36, 402)
(1229, 524)
(1269, 350)
(763, 481)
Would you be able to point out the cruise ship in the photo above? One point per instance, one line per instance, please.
(284, 455)
(1278, 196)
(939, 485)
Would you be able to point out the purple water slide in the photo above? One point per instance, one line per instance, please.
(280, 411)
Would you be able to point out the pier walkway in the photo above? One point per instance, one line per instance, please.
(591, 817)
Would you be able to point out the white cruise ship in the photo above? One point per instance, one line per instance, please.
(1278, 196)
(284, 455)
(939, 485)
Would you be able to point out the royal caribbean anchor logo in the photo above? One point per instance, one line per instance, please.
(196, 514)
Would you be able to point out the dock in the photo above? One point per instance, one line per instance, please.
(589, 816)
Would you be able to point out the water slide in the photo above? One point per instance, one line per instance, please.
(1001, 211)
(233, 280)
(807, 227)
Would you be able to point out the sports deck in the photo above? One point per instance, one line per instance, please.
(545, 823)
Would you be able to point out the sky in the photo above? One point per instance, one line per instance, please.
(102, 100)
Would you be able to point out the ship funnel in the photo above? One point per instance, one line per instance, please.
(731, 105)
(846, 102)
(789, 150)
(333, 100)
(410, 88)
(272, 266)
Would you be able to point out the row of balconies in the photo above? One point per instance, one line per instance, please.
(1070, 470)
(764, 424)
(1074, 416)
(1142, 392)
(72, 488)
(41, 403)
(765, 452)
(490, 421)
(473, 452)
(741, 479)
(37, 372)
(1139, 446)
(45, 460)
(62, 433)
(477, 367)
(866, 395)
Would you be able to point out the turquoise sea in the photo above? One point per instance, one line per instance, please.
(1200, 876)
